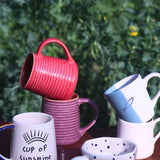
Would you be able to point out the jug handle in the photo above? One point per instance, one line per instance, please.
(86, 100)
(54, 40)
(146, 79)
(6, 126)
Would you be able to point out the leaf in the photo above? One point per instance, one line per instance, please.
(146, 57)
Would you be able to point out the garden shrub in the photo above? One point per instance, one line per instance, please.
(109, 40)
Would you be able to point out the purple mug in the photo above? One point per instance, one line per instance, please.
(67, 118)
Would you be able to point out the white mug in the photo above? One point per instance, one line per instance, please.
(33, 137)
(130, 99)
(140, 133)
(108, 148)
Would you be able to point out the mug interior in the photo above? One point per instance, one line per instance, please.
(109, 147)
(33, 118)
(121, 84)
(135, 123)
(26, 70)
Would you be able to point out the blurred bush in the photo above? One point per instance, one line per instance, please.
(109, 40)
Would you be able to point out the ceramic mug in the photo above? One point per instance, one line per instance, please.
(33, 137)
(67, 118)
(130, 99)
(140, 133)
(48, 76)
(108, 148)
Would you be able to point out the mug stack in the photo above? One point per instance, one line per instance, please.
(55, 79)
(131, 101)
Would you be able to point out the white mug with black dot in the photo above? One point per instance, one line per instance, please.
(108, 148)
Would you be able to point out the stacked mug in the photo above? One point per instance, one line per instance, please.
(131, 101)
(55, 80)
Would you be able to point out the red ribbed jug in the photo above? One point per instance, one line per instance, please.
(48, 76)
(67, 118)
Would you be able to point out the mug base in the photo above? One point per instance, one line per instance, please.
(67, 141)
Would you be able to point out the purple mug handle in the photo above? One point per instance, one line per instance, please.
(86, 100)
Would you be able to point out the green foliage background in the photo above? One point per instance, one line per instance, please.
(97, 34)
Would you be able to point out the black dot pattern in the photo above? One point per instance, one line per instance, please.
(111, 147)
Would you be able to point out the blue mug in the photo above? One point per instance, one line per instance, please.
(130, 98)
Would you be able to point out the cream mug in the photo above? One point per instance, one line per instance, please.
(140, 133)
(33, 137)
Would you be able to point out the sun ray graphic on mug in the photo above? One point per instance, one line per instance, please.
(33, 136)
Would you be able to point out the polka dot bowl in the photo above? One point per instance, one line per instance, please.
(108, 148)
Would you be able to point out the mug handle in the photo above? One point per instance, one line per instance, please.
(80, 158)
(54, 40)
(146, 79)
(158, 134)
(6, 126)
(86, 100)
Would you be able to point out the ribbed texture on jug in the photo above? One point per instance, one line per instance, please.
(47, 76)
(67, 120)
(54, 78)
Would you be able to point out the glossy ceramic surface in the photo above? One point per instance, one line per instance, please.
(49, 76)
(67, 118)
(33, 137)
(108, 148)
(140, 133)
(130, 98)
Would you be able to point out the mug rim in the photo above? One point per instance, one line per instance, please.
(19, 118)
(135, 123)
(24, 83)
(86, 152)
(130, 78)
(74, 97)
